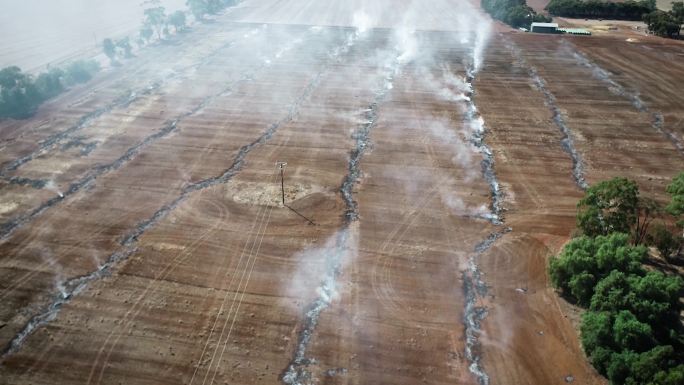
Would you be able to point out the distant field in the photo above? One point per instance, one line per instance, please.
(665, 5)
(37, 32)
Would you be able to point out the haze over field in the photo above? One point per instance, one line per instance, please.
(306, 192)
(36, 33)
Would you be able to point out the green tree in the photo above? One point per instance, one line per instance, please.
(663, 23)
(608, 207)
(653, 298)
(49, 84)
(596, 331)
(611, 293)
(595, 9)
(109, 49)
(676, 191)
(519, 16)
(678, 11)
(198, 8)
(146, 34)
(647, 211)
(587, 260)
(155, 19)
(81, 71)
(19, 97)
(668, 243)
(672, 376)
(620, 366)
(631, 334)
(177, 20)
(125, 45)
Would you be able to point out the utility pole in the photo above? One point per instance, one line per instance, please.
(282, 165)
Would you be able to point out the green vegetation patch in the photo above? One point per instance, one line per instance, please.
(599, 9)
(631, 331)
(21, 94)
(515, 13)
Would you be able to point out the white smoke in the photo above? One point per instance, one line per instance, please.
(52, 186)
(317, 266)
(362, 22)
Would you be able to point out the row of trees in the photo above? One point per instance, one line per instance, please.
(157, 24)
(515, 13)
(666, 24)
(631, 330)
(21, 94)
(599, 9)
(201, 8)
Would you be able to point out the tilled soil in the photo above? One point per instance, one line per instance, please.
(144, 240)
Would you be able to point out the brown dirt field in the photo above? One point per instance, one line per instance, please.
(157, 250)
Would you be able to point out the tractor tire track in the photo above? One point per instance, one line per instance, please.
(7, 228)
(475, 288)
(567, 142)
(297, 371)
(657, 120)
(57, 139)
(76, 285)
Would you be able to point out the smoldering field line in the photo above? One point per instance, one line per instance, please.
(567, 143)
(334, 57)
(478, 132)
(7, 228)
(297, 371)
(474, 287)
(74, 286)
(599, 73)
(123, 101)
(473, 284)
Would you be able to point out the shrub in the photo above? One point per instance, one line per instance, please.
(49, 84)
(609, 206)
(19, 97)
(669, 245)
(81, 71)
(515, 13)
(586, 260)
(676, 191)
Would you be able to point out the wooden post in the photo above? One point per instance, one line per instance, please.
(282, 183)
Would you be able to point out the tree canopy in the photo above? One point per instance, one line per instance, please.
(109, 49)
(609, 206)
(177, 20)
(515, 13)
(20, 95)
(631, 331)
(676, 191)
(667, 24)
(598, 9)
(584, 261)
(155, 19)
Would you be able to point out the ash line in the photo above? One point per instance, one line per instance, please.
(473, 285)
(124, 101)
(550, 101)
(76, 285)
(478, 128)
(297, 371)
(7, 228)
(657, 120)
(474, 288)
